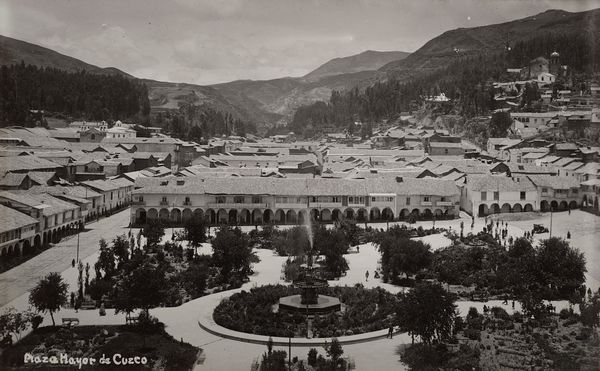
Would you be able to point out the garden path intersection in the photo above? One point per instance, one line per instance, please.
(182, 321)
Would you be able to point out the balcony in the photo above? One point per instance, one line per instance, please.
(187, 203)
(426, 203)
(164, 203)
(324, 205)
(138, 202)
(444, 203)
(249, 206)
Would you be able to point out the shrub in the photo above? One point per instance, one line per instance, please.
(312, 357)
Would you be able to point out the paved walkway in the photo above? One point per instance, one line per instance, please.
(181, 322)
(22, 278)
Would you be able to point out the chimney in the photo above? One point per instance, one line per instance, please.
(399, 179)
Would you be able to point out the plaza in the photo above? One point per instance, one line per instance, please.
(182, 322)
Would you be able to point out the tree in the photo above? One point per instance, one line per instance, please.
(14, 323)
(153, 231)
(120, 248)
(143, 288)
(427, 311)
(334, 351)
(590, 311)
(403, 256)
(49, 295)
(232, 253)
(499, 124)
(106, 260)
(195, 233)
(560, 266)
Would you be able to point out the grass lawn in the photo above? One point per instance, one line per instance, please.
(159, 348)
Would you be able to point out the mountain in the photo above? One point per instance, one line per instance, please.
(13, 51)
(440, 51)
(365, 61)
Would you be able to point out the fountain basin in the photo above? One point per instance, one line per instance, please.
(324, 304)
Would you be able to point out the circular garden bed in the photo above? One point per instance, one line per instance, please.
(365, 310)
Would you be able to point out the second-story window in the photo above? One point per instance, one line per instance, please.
(426, 198)
(408, 200)
(164, 200)
(483, 196)
(544, 190)
(256, 199)
(238, 199)
(443, 199)
(496, 195)
(221, 199)
(187, 201)
(523, 195)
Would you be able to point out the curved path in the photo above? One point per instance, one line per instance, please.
(226, 354)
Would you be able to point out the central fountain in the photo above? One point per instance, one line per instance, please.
(309, 301)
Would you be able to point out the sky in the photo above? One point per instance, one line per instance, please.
(207, 42)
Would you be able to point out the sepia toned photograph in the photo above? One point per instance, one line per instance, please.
(300, 185)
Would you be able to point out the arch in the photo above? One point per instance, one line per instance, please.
(449, 212)
(4, 253)
(186, 215)
(416, 212)
(544, 206)
(314, 215)
(349, 213)
(302, 215)
(517, 208)
(427, 214)
(325, 215)
(257, 216)
(387, 214)
(554, 205)
(279, 216)
(245, 216)
(483, 210)
(438, 213)
(495, 209)
(291, 217)
(573, 205)
(528, 208)
(176, 216)
(563, 205)
(222, 216)
(268, 216)
(336, 215)
(163, 215)
(27, 248)
(505, 208)
(140, 216)
(198, 214)
(233, 216)
(374, 214)
(210, 216)
(37, 241)
(404, 213)
(45, 239)
(362, 215)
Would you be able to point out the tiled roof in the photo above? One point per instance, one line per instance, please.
(51, 205)
(498, 183)
(13, 179)
(554, 182)
(20, 163)
(310, 186)
(12, 219)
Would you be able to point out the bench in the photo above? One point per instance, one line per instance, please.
(131, 320)
(70, 321)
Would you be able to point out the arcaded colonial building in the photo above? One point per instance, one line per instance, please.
(250, 200)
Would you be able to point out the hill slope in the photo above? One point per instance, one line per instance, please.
(13, 51)
(365, 61)
(440, 51)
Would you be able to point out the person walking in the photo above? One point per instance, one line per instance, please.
(367, 276)
(391, 332)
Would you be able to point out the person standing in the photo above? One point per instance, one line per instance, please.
(391, 332)
(367, 276)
